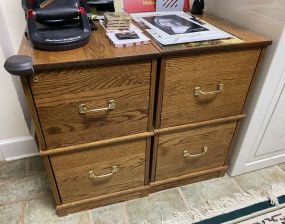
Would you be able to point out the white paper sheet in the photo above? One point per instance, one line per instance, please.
(129, 42)
(178, 27)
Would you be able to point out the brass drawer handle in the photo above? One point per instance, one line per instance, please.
(189, 156)
(198, 91)
(92, 174)
(111, 106)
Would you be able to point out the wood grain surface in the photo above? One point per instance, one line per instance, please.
(58, 94)
(187, 127)
(94, 202)
(247, 102)
(71, 171)
(51, 179)
(40, 140)
(97, 144)
(185, 179)
(233, 69)
(183, 128)
(98, 51)
(251, 39)
(97, 73)
(152, 95)
(170, 161)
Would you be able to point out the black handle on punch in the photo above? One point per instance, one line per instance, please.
(19, 65)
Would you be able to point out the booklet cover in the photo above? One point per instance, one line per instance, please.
(128, 42)
(173, 24)
(133, 6)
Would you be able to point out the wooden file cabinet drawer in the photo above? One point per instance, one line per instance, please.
(145, 86)
(229, 72)
(59, 94)
(115, 168)
(193, 151)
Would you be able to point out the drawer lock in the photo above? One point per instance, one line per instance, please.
(198, 91)
(111, 106)
(186, 154)
(92, 174)
(35, 79)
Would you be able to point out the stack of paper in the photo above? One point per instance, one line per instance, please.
(117, 21)
(178, 27)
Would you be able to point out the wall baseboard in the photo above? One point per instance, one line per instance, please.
(18, 148)
(256, 165)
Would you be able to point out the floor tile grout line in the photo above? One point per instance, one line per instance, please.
(10, 203)
(259, 187)
(41, 173)
(279, 168)
(184, 198)
(91, 220)
(25, 200)
(22, 212)
(238, 185)
(126, 216)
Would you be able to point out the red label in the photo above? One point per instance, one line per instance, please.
(139, 5)
(30, 13)
(145, 5)
(186, 5)
(82, 11)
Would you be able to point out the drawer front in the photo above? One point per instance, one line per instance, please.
(193, 151)
(229, 72)
(121, 93)
(113, 169)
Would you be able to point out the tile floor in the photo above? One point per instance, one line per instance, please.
(25, 197)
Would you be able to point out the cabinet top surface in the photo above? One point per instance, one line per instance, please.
(99, 49)
(247, 39)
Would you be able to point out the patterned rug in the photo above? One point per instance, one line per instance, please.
(264, 206)
(274, 217)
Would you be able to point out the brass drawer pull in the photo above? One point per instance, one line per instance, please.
(111, 106)
(198, 91)
(189, 156)
(92, 174)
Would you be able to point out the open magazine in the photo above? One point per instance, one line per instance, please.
(178, 27)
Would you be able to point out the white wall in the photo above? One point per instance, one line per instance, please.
(263, 17)
(11, 115)
(15, 138)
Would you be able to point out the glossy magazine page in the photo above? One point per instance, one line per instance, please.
(169, 28)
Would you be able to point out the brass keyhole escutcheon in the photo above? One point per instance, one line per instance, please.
(171, 64)
(35, 79)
